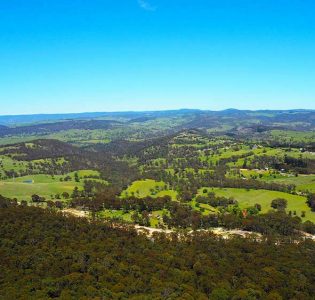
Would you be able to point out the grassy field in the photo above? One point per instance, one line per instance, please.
(148, 187)
(261, 151)
(267, 175)
(42, 185)
(205, 209)
(248, 198)
(251, 152)
(293, 136)
(19, 166)
(156, 216)
(8, 164)
(115, 214)
(302, 182)
(23, 191)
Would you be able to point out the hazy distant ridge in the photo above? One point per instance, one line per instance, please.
(12, 120)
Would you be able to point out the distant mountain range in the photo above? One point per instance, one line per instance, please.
(16, 120)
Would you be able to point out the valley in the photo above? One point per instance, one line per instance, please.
(140, 205)
(166, 169)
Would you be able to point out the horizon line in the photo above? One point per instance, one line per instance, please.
(152, 111)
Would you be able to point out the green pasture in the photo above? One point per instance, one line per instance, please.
(293, 136)
(8, 164)
(111, 214)
(205, 209)
(148, 187)
(82, 137)
(23, 191)
(156, 216)
(295, 153)
(247, 198)
(302, 182)
(43, 185)
(230, 152)
(267, 175)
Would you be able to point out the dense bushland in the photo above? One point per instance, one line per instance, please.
(46, 255)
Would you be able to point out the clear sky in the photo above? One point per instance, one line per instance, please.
(111, 55)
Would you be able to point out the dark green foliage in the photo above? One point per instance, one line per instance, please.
(215, 201)
(311, 201)
(6, 202)
(45, 255)
(108, 200)
(279, 204)
(258, 206)
(309, 227)
(36, 198)
(272, 223)
(47, 128)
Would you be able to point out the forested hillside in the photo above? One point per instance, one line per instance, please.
(45, 255)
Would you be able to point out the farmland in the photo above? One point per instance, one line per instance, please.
(180, 169)
(144, 188)
(302, 182)
(248, 198)
(46, 186)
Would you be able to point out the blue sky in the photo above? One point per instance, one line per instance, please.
(110, 55)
